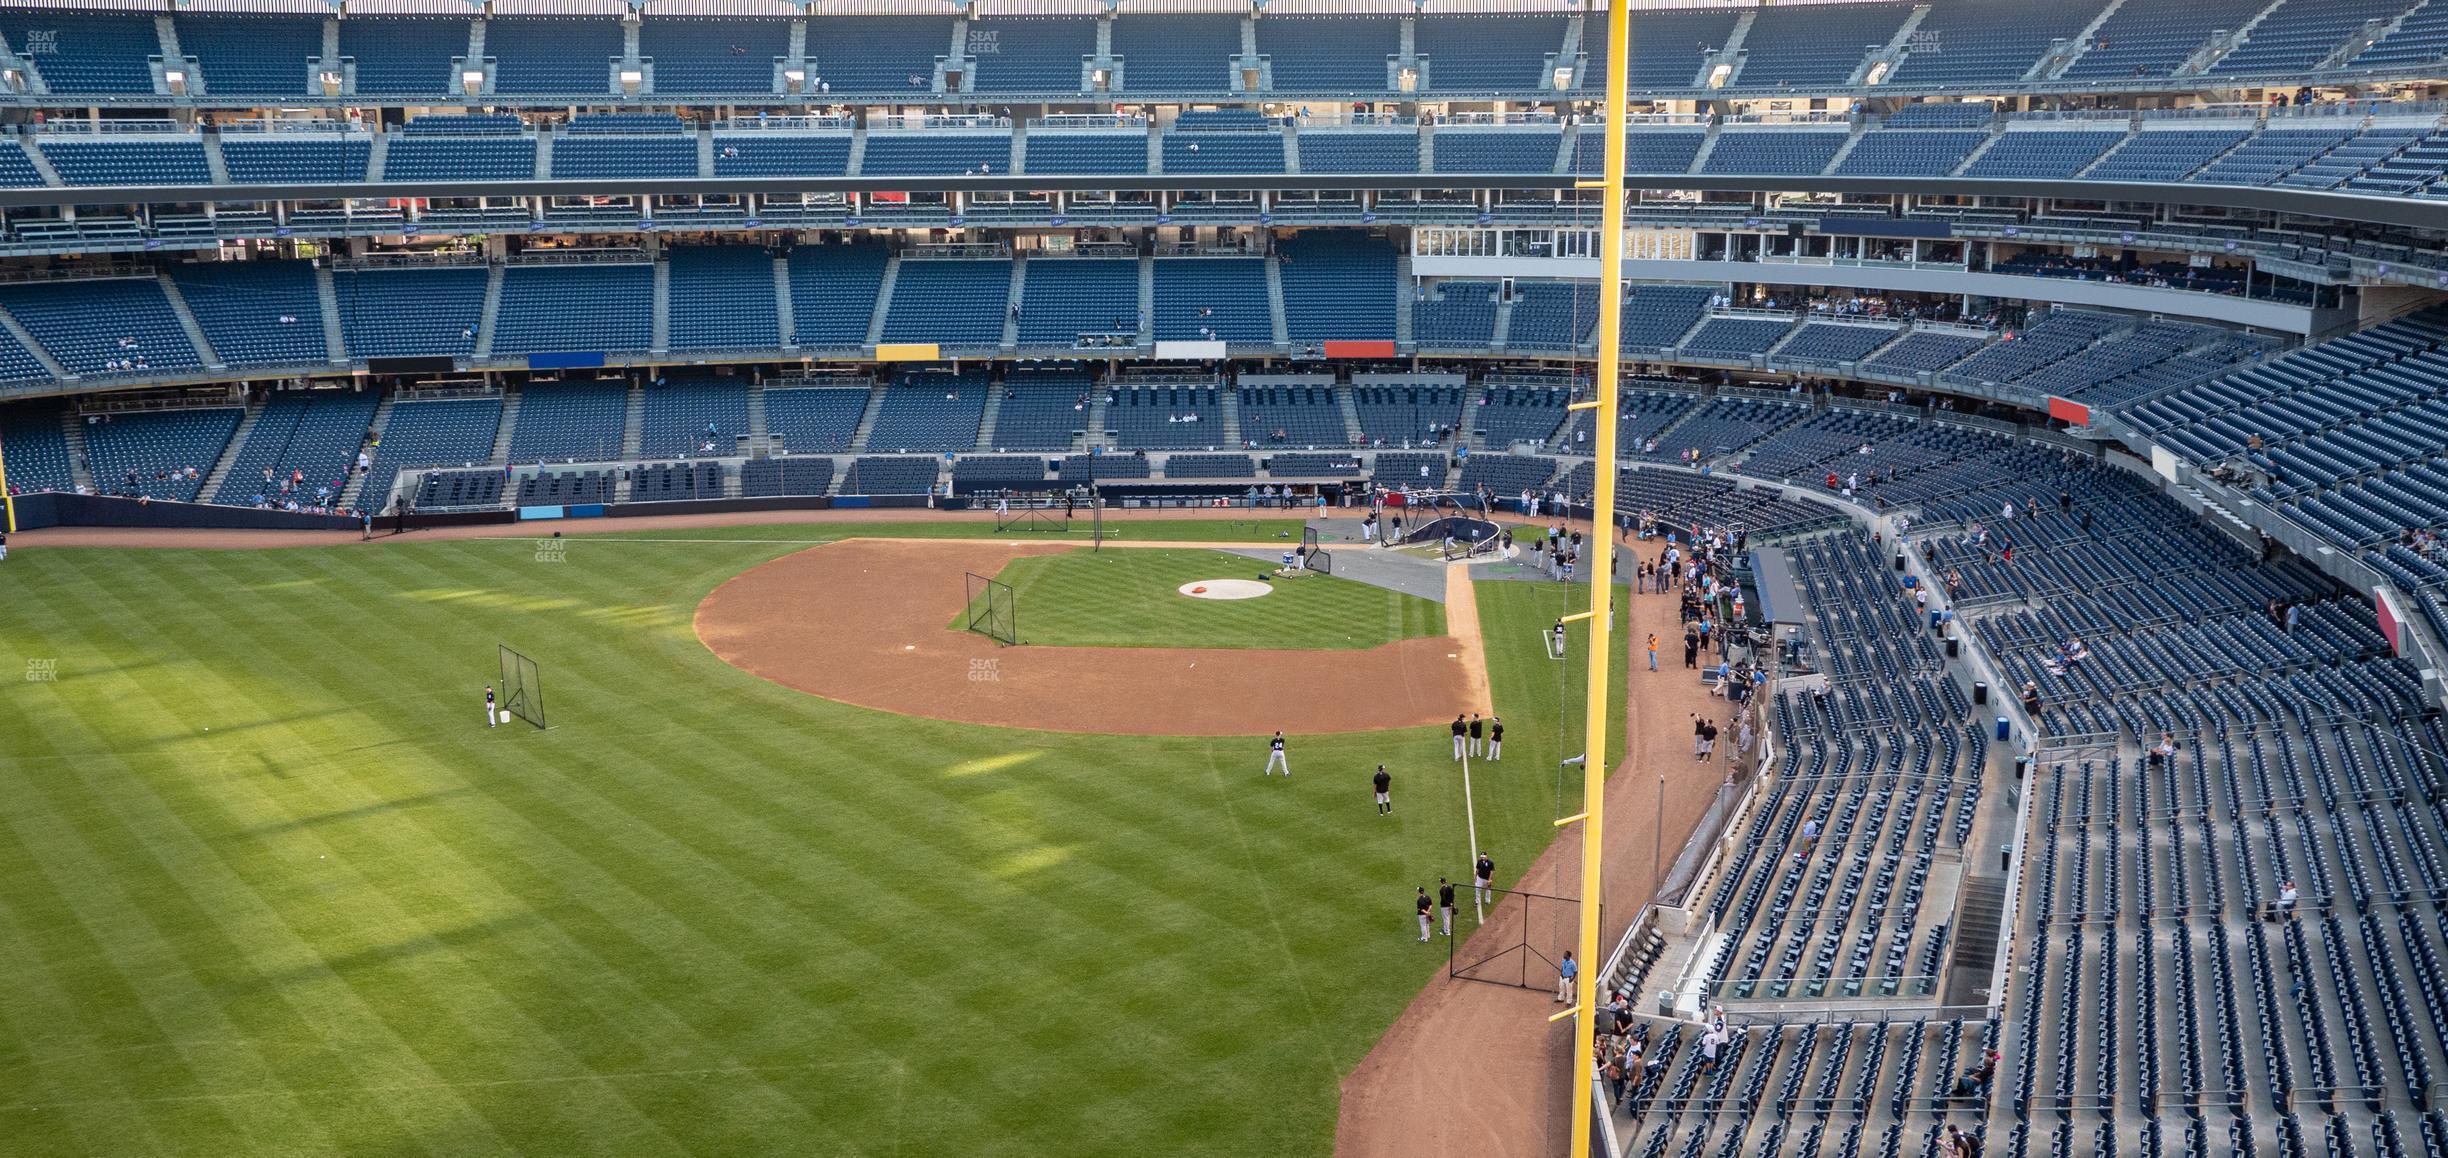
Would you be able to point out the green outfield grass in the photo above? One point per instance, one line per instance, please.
(1118, 526)
(267, 886)
(1132, 598)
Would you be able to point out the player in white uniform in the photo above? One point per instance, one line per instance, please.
(1275, 757)
(492, 718)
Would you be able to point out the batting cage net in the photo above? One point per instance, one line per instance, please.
(522, 686)
(992, 612)
(1030, 517)
(1314, 557)
(1519, 938)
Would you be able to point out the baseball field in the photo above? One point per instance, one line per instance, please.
(269, 885)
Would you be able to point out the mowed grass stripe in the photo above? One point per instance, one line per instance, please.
(362, 947)
(890, 932)
(1132, 598)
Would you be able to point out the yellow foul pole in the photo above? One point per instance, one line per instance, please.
(1601, 563)
(8, 502)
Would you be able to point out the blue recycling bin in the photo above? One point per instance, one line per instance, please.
(2005, 729)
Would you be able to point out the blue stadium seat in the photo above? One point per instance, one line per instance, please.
(542, 56)
(85, 52)
(1329, 55)
(678, 411)
(951, 303)
(722, 298)
(410, 313)
(1488, 53)
(581, 420)
(1524, 150)
(1064, 298)
(1030, 55)
(136, 453)
(1223, 298)
(37, 449)
(1344, 151)
(781, 154)
(1176, 53)
(821, 419)
(267, 56)
(313, 432)
(575, 309)
(256, 313)
(935, 153)
(876, 54)
(295, 158)
(700, 57)
(406, 56)
(1337, 286)
(127, 159)
(87, 325)
(833, 293)
(430, 433)
(1087, 153)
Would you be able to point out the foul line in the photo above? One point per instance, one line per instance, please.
(1470, 820)
(411, 1087)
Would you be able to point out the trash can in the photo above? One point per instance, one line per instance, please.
(1936, 619)
(1954, 647)
(2005, 858)
(2005, 730)
(1665, 1003)
(1899, 560)
(1980, 691)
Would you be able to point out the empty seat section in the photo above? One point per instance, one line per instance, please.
(253, 55)
(1531, 150)
(1968, 42)
(1833, 342)
(2164, 154)
(2301, 34)
(295, 158)
(1551, 315)
(1773, 153)
(1455, 315)
(577, 156)
(689, 410)
(1043, 410)
(256, 313)
(930, 411)
(698, 56)
(85, 52)
(1925, 351)
(1087, 153)
(316, 433)
(1654, 316)
(776, 154)
(575, 309)
(1278, 416)
(1396, 415)
(1329, 151)
(1165, 418)
(793, 476)
(2420, 38)
(1212, 298)
(428, 154)
(128, 160)
(1910, 153)
(1647, 149)
(722, 298)
(1736, 337)
(1340, 55)
(2152, 37)
(1065, 298)
(890, 475)
(953, 303)
(581, 421)
(2043, 155)
(87, 325)
(37, 448)
(1249, 145)
(404, 56)
(1337, 285)
(1509, 54)
(17, 170)
(1819, 46)
(2272, 155)
(1176, 54)
(439, 432)
(876, 54)
(1030, 55)
(1669, 48)
(547, 57)
(138, 453)
(932, 154)
(833, 293)
(410, 312)
(818, 419)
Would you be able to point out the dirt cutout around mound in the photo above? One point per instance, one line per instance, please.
(1474, 1070)
(863, 621)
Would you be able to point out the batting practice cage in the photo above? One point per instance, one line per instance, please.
(1314, 557)
(991, 610)
(522, 686)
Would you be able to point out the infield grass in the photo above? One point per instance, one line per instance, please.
(268, 886)
(1132, 598)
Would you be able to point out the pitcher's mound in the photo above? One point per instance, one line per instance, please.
(1225, 589)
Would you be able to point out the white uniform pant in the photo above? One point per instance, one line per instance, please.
(1447, 912)
(1495, 750)
(1423, 926)
(1482, 889)
(492, 719)
(1275, 759)
(1457, 747)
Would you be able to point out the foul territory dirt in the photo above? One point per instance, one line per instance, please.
(866, 622)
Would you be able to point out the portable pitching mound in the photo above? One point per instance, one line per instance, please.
(1225, 589)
